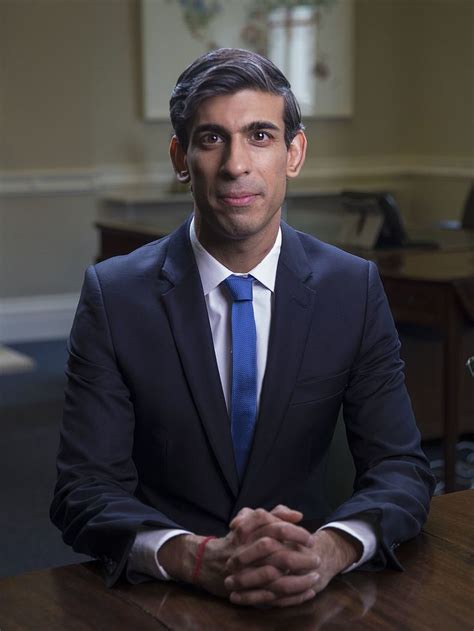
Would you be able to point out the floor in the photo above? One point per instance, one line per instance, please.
(30, 412)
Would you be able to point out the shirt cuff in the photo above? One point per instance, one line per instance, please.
(363, 532)
(143, 558)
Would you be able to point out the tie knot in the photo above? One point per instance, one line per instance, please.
(240, 287)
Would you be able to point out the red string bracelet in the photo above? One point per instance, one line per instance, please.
(199, 555)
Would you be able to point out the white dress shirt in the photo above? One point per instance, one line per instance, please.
(143, 559)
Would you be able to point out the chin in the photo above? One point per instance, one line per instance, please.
(245, 230)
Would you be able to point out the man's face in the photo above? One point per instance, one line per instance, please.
(237, 162)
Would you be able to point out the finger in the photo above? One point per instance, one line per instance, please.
(246, 555)
(281, 531)
(299, 561)
(287, 514)
(247, 520)
(242, 514)
(271, 579)
(252, 578)
(268, 551)
(291, 585)
(260, 515)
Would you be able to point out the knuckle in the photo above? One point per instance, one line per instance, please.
(235, 585)
(272, 573)
(283, 528)
(283, 587)
(286, 587)
(267, 574)
(277, 530)
(238, 558)
(265, 544)
(292, 563)
(234, 564)
(239, 526)
(279, 559)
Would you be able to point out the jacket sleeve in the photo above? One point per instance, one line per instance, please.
(393, 483)
(94, 503)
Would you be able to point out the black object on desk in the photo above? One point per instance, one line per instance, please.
(470, 365)
(391, 232)
(467, 221)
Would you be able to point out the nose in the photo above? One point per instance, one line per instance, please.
(236, 159)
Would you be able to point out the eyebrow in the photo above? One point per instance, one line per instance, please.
(256, 125)
(219, 129)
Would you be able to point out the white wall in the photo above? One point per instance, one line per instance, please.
(70, 111)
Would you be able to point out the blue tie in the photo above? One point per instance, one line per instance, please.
(243, 408)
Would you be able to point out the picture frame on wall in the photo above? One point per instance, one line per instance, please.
(312, 43)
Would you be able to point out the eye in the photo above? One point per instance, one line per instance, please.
(210, 139)
(260, 136)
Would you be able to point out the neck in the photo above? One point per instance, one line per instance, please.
(239, 255)
(237, 260)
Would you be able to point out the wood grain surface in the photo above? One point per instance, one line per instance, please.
(435, 592)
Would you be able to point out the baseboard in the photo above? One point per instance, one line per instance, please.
(36, 318)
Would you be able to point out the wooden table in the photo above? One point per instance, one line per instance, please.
(430, 288)
(435, 592)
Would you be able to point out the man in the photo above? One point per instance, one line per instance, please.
(193, 412)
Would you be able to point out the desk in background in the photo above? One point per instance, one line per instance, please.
(436, 290)
(435, 592)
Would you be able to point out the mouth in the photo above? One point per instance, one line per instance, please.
(243, 198)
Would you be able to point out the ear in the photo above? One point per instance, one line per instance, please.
(296, 154)
(180, 163)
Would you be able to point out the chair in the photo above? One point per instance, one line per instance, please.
(468, 214)
(467, 221)
(470, 365)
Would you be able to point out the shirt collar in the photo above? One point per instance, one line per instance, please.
(213, 273)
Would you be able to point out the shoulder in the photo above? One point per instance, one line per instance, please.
(339, 278)
(324, 259)
(172, 253)
(317, 249)
(141, 262)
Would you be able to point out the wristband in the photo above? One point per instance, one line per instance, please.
(199, 555)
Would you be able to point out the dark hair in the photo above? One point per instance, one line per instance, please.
(226, 71)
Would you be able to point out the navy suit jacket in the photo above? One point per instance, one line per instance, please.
(146, 439)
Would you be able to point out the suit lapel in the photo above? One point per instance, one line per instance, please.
(292, 315)
(186, 309)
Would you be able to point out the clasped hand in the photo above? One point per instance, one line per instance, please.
(267, 559)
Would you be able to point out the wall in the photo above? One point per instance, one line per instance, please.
(438, 117)
(71, 128)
